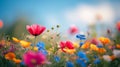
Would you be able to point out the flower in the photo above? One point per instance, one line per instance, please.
(73, 29)
(15, 39)
(35, 29)
(81, 43)
(101, 50)
(76, 45)
(97, 61)
(94, 41)
(25, 44)
(32, 59)
(118, 46)
(116, 53)
(67, 47)
(106, 58)
(57, 58)
(118, 25)
(69, 64)
(82, 55)
(1, 23)
(41, 48)
(17, 60)
(85, 45)
(93, 47)
(104, 40)
(82, 63)
(10, 56)
(81, 36)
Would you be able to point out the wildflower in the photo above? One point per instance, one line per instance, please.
(10, 56)
(15, 40)
(33, 59)
(57, 58)
(76, 45)
(35, 48)
(1, 23)
(94, 41)
(118, 25)
(81, 43)
(104, 40)
(82, 63)
(25, 44)
(17, 60)
(73, 29)
(85, 45)
(41, 48)
(82, 55)
(81, 36)
(106, 58)
(35, 29)
(69, 64)
(67, 47)
(97, 61)
(112, 57)
(116, 53)
(101, 50)
(93, 47)
(118, 46)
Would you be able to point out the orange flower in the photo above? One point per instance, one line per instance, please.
(10, 55)
(101, 50)
(93, 47)
(104, 40)
(112, 57)
(118, 46)
(17, 60)
(70, 51)
(86, 45)
(25, 44)
(15, 39)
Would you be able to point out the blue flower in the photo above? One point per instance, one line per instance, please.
(41, 45)
(82, 63)
(97, 61)
(69, 64)
(56, 58)
(82, 55)
(81, 43)
(43, 51)
(22, 63)
(81, 36)
(100, 46)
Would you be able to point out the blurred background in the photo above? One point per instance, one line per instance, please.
(95, 16)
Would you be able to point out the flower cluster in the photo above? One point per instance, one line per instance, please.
(48, 48)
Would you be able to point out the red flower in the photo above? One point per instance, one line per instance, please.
(35, 29)
(73, 29)
(66, 44)
(118, 26)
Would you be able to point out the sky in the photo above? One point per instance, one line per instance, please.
(63, 12)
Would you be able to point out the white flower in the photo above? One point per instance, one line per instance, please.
(116, 53)
(107, 58)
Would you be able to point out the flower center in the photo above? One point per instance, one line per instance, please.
(33, 61)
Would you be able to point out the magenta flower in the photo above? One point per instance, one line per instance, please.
(73, 29)
(32, 59)
(35, 29)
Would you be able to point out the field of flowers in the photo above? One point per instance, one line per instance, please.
(42, 47)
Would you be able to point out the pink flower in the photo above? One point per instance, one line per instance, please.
(32, 59)
(35, 29)
(118, 25)
(94, 41)
(73, 29)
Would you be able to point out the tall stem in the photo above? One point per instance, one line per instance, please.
(35, 41)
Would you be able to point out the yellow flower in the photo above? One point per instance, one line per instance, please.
(35, 48)
(17, 61)
(10, 56)
(15, 39)
(93, 47)
(101, 50)
(70, 51)
(76, 45)
(104, 40)
(86, 45)
(25, 44)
